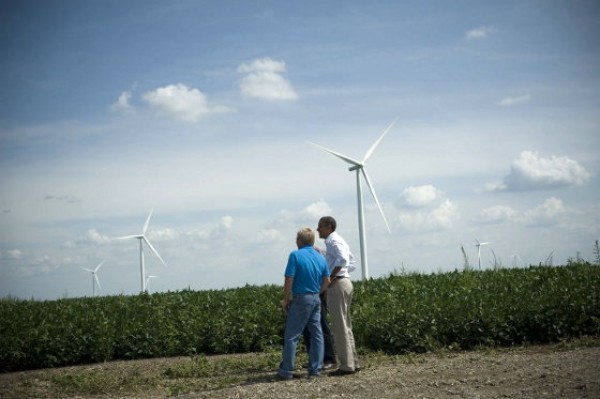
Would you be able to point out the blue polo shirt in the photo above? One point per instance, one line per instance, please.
(307, 267)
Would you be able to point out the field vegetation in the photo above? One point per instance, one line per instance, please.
(400, 313)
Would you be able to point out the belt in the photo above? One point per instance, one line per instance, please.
(307, 293)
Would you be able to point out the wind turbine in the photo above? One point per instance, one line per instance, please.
(359, 167)
(148, 278)
(479, 245)
(142, 237)
(95, 277)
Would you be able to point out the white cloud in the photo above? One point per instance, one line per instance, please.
(532, 172)
(441, 217)
(511, 101)
(183, 103)
(13, 254)
(167, 234)
(479, 33)
(263, 80)
(122, 105)
(91, 237)
(418, 196)
(546, 213)
(316, 210)
(497, 214)
(266, 236)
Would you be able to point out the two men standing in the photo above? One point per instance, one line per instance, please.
(307, 275)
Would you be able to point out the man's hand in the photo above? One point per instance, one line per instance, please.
(285, 305)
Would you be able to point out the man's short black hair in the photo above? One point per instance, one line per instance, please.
(329, 221)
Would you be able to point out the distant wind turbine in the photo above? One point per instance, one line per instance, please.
(479, 245)
(142, 237)
(359, 167)
(148, 278)
(95, 277)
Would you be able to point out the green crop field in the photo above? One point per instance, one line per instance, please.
(396, 314)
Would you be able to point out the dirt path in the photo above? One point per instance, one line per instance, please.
(532, 372)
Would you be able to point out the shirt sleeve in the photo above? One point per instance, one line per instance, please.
(290, 269)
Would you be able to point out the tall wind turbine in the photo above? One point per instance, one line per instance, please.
(479, 245)
(148, 278)
(95, 277)
(142, 237)
(359, 167)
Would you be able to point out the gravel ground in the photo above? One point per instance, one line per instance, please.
(530, 372)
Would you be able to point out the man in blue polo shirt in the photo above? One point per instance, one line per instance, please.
(306, 275)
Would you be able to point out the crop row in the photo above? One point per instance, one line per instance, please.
(399, 313)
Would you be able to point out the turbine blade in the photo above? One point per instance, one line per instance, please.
(99, 266)
(364, 172)
(337, 154)
(374, 146)
(147, 221)
(155, 251)
(97, 281)
(87, 270)
(127, 237)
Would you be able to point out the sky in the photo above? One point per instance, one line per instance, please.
(203, 111)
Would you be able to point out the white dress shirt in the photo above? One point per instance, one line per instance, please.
(338, 255)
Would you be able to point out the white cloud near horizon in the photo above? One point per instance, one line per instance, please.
(512, 101)
(123, 105)
(546, 213)
(183, 103)
(530, 172)
(440, 217)
(264, 81)
(479, 33)
(418, 196)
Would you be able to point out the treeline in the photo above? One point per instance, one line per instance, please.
(395, 314)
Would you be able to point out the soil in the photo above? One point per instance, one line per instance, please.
(550, 371)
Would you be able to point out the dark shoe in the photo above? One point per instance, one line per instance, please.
(357, 369)
(314, 376)
(340, 372)
(282, 378)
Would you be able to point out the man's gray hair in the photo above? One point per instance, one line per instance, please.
(306, 236)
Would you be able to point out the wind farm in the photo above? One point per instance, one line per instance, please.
(359, 168)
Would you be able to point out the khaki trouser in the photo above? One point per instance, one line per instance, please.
(339, 299)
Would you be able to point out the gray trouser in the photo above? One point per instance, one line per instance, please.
(339, 299)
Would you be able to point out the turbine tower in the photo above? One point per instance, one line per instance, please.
(142, 237)
(479, 245)
(359, 167)
(94, 277)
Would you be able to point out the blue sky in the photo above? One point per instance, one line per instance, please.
(201, 110)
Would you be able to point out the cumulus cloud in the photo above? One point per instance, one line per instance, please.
(551, 211)
(497, 214)
(123, 105)
(418, 196)
(13, 254)
(94, 237)
(183, 103)
(440, 217)
(546, 213)
(266, 236)
(479, 33)
(512, 101)
(532, 172)
(316, 210)
(263, 80)
(215, 232)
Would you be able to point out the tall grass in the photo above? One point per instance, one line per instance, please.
(396, 314)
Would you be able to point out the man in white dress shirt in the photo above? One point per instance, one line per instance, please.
(339, 295)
